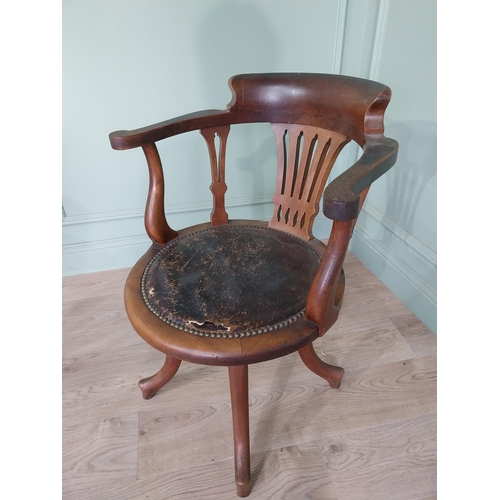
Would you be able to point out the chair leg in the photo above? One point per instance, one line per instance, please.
(150, 385)
(238, 383)
(332, 374)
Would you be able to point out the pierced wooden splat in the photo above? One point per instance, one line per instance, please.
(306, 155)
(218, 168)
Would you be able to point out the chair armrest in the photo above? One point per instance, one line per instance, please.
(341, 199)
(342, 203)
(129, 139)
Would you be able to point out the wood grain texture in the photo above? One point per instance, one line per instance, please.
(175, 437)
(90, 325)
(85, 286)
(360, 344)
(284, 415)
(295, 472)
(396, 460)
(292, 472)
(418, 336)
(98, 451)
(93, 314)
(186, 450)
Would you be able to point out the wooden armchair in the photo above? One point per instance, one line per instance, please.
(235, 292)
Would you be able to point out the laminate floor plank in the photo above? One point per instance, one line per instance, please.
(417, 335)
(301, 412)
(395, 460)
(372, 301)
(295, 472)
(81, 344)
(112, 389)
(284, 415)
(356, 343)
(98, 451)
(94, 314)
(292, 472)
(116, 358)
(95, 324)
(85, 286)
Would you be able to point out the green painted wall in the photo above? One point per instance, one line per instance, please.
(128, 64)
(133, 63)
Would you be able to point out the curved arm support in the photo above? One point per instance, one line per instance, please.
(341, 201)
(154, 218)
(321, 307)
(129, 139)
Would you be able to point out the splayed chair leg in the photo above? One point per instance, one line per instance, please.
(332, 374)
(150, 385)
(238, 382)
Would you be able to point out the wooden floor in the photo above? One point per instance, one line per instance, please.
(372, 439)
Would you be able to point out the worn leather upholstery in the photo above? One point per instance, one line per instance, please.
(230, 281)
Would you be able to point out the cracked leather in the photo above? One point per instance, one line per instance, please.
(230, 280)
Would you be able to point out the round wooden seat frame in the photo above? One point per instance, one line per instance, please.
(207, 350)
(180, 313)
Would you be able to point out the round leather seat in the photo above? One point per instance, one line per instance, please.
(230, 281)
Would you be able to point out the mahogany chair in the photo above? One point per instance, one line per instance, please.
(235, 292)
